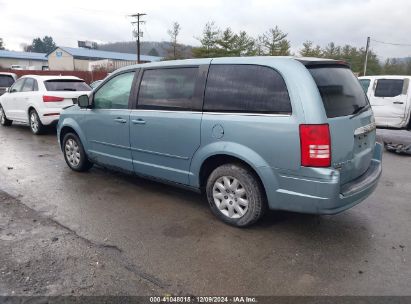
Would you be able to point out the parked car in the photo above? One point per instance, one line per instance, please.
(390, 98)
(38, 100)
(252, 133)
(6, 81)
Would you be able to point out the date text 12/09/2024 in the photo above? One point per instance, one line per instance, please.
(203, 299)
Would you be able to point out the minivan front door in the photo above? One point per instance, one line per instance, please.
(389, 101)
(165, 127)
(107, 124)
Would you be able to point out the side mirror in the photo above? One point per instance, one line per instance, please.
(7, 90)
(83, 101)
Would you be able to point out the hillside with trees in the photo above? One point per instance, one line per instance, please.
(217, 42)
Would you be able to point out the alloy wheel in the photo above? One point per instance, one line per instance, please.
(72, 151)
(230, 197)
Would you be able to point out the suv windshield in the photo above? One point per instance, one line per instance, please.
(66, 85)
(340, 90)
(6, 81)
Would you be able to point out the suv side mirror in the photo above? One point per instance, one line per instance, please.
(83, 101)
(7, 90)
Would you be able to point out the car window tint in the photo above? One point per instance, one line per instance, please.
(340, 90)
(389, 87)
(6, 81)
(28, 85)
(247, 89)
(17, 86)
(365, 84)
(115, 93)
(168, 89)
(66, 85)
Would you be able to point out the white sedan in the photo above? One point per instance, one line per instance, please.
(38, 100)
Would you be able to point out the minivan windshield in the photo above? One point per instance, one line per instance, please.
(340, 90)
(66, 85)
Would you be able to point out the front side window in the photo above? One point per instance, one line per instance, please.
(115, 93)
(246, 89)
(168, 89)
(389, 87)
(17, 86)
(29, 85)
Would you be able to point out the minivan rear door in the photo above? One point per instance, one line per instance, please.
(389, 100)
(349, 116)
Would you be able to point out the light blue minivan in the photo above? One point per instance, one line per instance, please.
(281, 133)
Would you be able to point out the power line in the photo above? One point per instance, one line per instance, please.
(137, 22)
(390, 43)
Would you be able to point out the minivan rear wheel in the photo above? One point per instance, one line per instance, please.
(3, 119)
(36, 126)
(235, 195)
(74, 153)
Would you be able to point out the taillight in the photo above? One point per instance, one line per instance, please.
(47, 98)
(315, 145)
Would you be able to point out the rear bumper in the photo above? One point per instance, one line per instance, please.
(49, 116)
(324, 194)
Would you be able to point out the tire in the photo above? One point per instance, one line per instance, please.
(3, 119)
(36, 127)
(236, 195)
(74, 153)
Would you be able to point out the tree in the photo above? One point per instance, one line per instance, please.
(1, 44)
(44, 45)
(153, 52)
(309, 50)
(244, 45)
(174, 51)
(226, 43)
(332, 51)
(209, 39)
(275, 43)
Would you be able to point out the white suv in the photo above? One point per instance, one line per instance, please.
(38, 100)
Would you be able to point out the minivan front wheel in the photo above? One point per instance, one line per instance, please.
(3, 119)
(235, 195)
(74, 153)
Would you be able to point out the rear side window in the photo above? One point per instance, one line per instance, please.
(6, 81)
(168, 89)
(389, 87)
(66, 85)
(365, 83)
(340, 90)
(246, 89)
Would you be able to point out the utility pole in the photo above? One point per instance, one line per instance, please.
(366, 55)
(138, 21)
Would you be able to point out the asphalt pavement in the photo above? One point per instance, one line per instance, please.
(175, 245)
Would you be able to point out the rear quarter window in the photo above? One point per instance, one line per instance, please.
(66, 85)
(340, 90)
(246, 89)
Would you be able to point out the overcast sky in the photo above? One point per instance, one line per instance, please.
(322, 21)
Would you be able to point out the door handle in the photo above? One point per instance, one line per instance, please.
(398, 102)
(138, 121)
(120, 120)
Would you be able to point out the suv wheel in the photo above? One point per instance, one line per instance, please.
(35, 124)
(235, 195)
(74, 153)
(3, 119)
